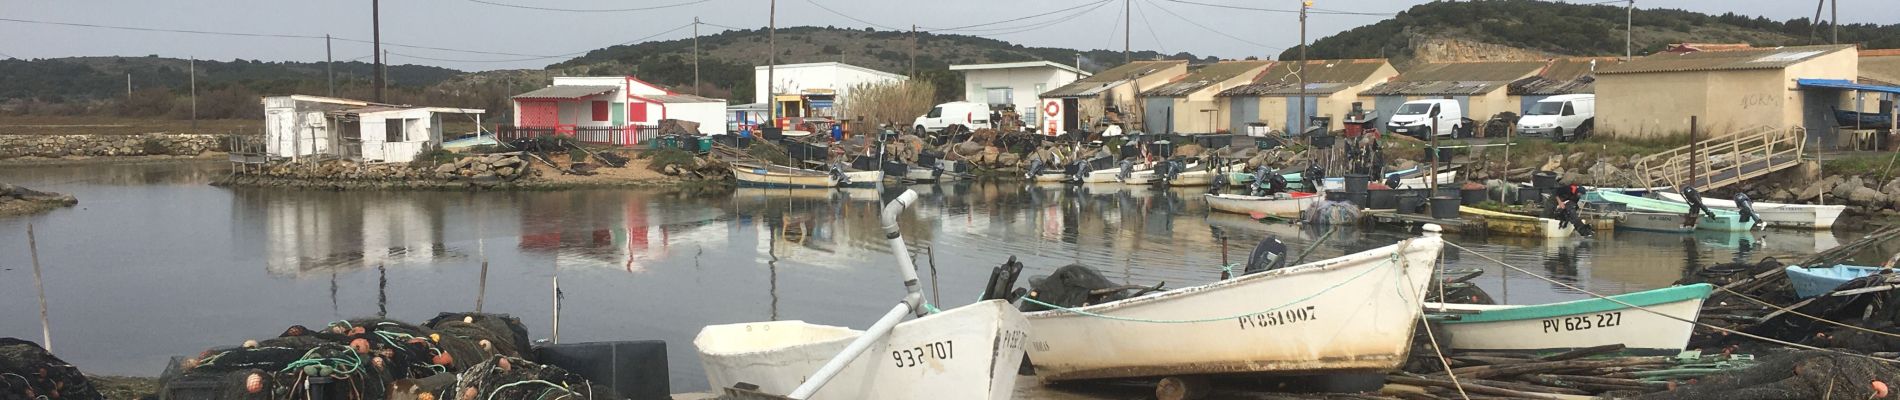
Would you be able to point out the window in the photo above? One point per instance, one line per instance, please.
(1544, 108)
(1568, 110)
(393, 130)
(936, 112)
(1414, 109)
(600, 111)
(639, 113)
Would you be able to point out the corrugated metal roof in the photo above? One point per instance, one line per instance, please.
(1207, 76)
(1322, 77)
(1457, 78)
(1574, 75)
(1723, 60)
(566, 92)
(1285, 89)
(1884, 69)
(1110, 78)
(682, 98)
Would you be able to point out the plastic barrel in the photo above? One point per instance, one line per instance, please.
(1472, 196)
(1382, 199)
(1409, 203)
(705, 144)
(1361, 199)
(1544, 179)
(1356, 183)
(1445, 207)
(1336, 195)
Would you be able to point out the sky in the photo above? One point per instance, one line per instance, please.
(478, 35)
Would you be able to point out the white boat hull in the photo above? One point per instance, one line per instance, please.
(1046, 178)
(864, 178)
(1802, 216)
(1420, 182)
(762, 177)
(1639, 331)
(1264, 205)
(1353, 313)
(969, 352)
(1201, 177)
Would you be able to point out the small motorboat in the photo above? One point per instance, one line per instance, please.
(968, 352)
(1202, 177)
(1801, 216)
(1286, 205)
(1810, 282)
(1725, 220)
(1352, 313)
(1577, 324)
(1518, 225)
(752, 175)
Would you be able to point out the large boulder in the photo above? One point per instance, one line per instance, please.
(1867, 197)
(1846, 187)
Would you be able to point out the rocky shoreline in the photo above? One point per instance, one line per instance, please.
(498, 171)
(149, 144)
(16, 200)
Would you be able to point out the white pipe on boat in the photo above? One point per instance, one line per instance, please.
(912, 303)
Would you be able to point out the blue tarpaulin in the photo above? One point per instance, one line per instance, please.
(1845, 85)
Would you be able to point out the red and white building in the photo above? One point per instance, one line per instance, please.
(618, 110)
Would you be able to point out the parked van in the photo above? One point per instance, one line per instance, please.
(968, 116)
(1414, 118)
(1563, 117)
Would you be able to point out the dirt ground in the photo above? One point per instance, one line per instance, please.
(634, 174)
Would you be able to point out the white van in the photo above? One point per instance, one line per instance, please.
(1562, 117)
(967, 115)
(1414, 118)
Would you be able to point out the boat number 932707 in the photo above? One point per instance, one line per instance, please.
(1583, 322)
(920, 355)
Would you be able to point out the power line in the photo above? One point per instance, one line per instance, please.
(1040, 26)
(1151, 28)
(847, 16)
(722, 26)
(1217, 31)
(642, 39)
(1098, 3)
(252, 34)
(1033, 25)
(1115, 26)
(1276, 10)
(588, 10)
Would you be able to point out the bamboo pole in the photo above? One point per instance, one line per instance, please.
(46, 328)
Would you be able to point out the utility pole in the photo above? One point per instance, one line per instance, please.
(1301, 71)
(329, 64)
(1834, 20)
(384, 71)
(1127, 7)
(695, 56)
(376, 40)
(913, 50)
(128, 84)
(192, 67)
(771, 64)
(1629, 29)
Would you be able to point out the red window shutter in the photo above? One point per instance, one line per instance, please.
(600, 110)
(638, 112)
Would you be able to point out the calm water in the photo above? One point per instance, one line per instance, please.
(154, 262)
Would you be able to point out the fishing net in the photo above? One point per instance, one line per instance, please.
(1332, 213)
(1792, 375)
(1869, 309)
(505, 334)
(1076, 285)
(503, 377)
(351, 359)
(28, 371)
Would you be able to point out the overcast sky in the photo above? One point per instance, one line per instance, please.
(534, 38)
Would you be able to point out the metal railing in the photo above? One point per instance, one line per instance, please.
(617, 135)
(1725, 160)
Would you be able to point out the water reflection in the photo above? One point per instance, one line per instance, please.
(642, 265)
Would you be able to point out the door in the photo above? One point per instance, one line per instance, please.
(1295, 120)
(1158, 116)
(1464, 108)
(1385, 106)
(1071, 114)
(1242, 111)
(619, 114)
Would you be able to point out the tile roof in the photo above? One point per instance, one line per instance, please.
(1111, 77)
(566, 92)
(1457, 78)
(1207, 76)
(1322, 77)
(1571, 75)
(1723, 60)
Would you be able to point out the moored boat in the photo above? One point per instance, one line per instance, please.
(1649, 221)
(1579, 324)
(1802, 216)
(780, 176)
(1724, 220)
(1288, 205)
(1810, 282)
(1353, 313)
(1518, 225)
(1202, 177)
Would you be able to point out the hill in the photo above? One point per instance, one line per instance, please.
(85, 78)
(1477, 30)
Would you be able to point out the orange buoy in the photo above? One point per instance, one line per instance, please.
(1880, 389)
(425, 396)
(337, 329)
(506, 366)
(435, 337)
(254, 383)
(361, 345)
(357, 331)
(444, 359)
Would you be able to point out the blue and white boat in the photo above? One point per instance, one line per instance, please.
(1810, 282)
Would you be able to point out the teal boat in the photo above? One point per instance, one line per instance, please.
(1810, 282)
(1578, 324)
(1725, 220)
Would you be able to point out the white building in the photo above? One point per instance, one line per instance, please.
(1015, 84)
(797, 78)
(611, 110)
(313, 126)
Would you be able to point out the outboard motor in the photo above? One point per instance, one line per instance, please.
(1081, 171)
(1127, 169)
(1269, 255)
(1220, 181)
(837, 174)
(1392, 181)
(1003, 282)
(1314, 178)
(1746, 208)
(1035, 168)
(1694, 198)
(1175, 166)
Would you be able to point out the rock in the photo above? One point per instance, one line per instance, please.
(1604, 174)
(1781, 196)
(1846, 187)
(1189, 150)
(445, 168)
(1867, 197)
(510, 171)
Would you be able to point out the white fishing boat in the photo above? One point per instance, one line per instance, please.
(1518, 225)
(1803, 216)
(1352, 313)
(1446, 178)
(780, 176)
(1578, 324)
(1048, 177)
(863, 178)
(1288, 205)
(1148, 176)
(969, 352)
(1202, 177)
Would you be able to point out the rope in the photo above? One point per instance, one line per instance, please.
(1441, 357)
(1395, 256)
(1659, 313)
(1792, 311)
(498, 389)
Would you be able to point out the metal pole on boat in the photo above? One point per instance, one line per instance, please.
(912, 303)
(46, 329)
